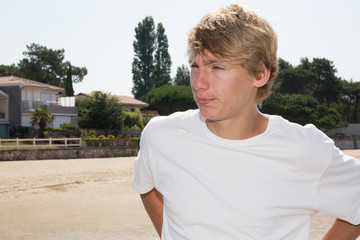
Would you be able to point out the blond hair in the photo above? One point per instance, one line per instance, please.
(238, 36)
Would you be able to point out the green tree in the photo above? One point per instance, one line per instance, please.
(351, 95)
(168, 99)
(182, 76)
(297, 81)
(328, 87)
(47, 66)
(284, 65)
(305, 63)
(8, 70)
(100, 111)
(162, 61)
(41, 117)
(69, 90)
(302, 109)
(143, 63)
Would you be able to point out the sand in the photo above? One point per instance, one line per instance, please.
(81, 199)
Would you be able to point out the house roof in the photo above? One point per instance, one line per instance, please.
(127, 101)
(14, 80)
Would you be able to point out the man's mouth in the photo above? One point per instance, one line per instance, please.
(204, 101)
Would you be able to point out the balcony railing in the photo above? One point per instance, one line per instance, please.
(30, 106)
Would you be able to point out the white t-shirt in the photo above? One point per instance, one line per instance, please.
(265, 187)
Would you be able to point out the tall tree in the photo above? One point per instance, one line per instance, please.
(143, 64)
(47, 66)
(284, 65)
(328, 86)
(69, 90)
(162, 58)
(305, 63)
(182, 77)
(297, 81)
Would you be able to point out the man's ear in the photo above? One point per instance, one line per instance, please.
(262, 75)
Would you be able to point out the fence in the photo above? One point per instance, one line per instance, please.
(40, 143)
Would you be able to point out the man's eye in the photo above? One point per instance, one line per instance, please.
(218, 68)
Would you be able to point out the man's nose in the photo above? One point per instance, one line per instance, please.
(199, 79)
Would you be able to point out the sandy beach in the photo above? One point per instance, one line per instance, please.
(81, 199)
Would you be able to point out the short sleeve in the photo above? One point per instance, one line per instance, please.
(143, 179)
(339, 188)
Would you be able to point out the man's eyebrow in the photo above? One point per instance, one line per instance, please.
(206, 61)
(211, 61)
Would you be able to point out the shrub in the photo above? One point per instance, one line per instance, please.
(133, 119)
(136, 140)
(71, 130)
(92, 133)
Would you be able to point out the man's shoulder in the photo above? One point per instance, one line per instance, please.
(188, 115)
(174, 121)
(308, 132)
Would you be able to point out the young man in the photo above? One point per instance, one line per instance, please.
(227, 171)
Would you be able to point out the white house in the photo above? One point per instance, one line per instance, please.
(20, 97)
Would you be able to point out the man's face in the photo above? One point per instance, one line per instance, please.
(222, 91)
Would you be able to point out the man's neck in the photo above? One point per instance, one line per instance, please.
(240, 128)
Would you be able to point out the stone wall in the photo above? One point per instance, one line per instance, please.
(68, 153)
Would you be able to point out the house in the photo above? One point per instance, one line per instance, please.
(19, 97)
(129, 103)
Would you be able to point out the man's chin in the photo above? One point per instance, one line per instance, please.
(209, 116)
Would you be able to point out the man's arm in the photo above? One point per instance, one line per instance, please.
(153, 203)
(342, 230)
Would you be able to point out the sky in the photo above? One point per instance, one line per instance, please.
(99, 34)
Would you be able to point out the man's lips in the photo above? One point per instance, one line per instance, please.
(204, 101)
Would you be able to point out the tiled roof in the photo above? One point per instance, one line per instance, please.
(83, 94)
(127, 101)
(13, 80)
(131, 101)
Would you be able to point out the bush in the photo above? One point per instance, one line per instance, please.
(133, 119)
(136, 140)
(19, 131)
(91, 141)
(168, 99)
(70, 130)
